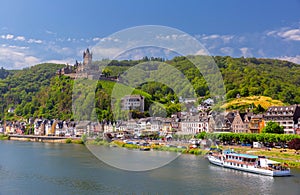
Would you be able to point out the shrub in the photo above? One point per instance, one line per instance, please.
(78, 141)
(68, 141)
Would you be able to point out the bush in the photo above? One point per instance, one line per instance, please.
(78, 141)
(3, 137)
(68, 141)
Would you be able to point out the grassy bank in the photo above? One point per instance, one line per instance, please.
(285, 156)
(74, 141)
(3, 137)
(195, 151)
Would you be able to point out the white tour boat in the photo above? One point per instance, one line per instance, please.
(249, 163)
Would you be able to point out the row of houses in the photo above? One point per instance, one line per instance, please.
(235, 121)
(180, 123)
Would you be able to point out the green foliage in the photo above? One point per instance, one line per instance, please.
(78, 141)
(37, 92)
(201, 135)
(273, 127)
(68, 141)
(20, 87)
(84, 138)
(251, 137)
(3, 137)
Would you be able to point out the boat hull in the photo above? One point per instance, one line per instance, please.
(215, 161)
(260, 171)
(251, 169)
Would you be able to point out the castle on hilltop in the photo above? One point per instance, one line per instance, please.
(87, 61)
(78, 68)
(85, 69)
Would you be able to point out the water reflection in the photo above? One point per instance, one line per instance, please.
(132, 159)
(254, 182)
(37, 168)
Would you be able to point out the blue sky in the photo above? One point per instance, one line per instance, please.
(35, 31)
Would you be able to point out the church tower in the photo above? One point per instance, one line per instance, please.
(87, 58)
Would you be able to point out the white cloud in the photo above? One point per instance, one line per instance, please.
(224, 38)
(35, 41)
(210, 37)
(270, 33)
(104, 53)
(293, 34)
(20, 38)
(286, 33)
(7, 36)
(227, 50)
(96, 39)
(202, 52)
(63, 61)
(295, 59)
(107, 39)
(171, 37)
(50, 32)
(246, 52)
(16, 58)
(18, 47)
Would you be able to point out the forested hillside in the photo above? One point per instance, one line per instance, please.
(37, 92)
(21, 86)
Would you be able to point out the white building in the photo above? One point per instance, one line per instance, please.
(133, 102)
(286, 116)
(190, 125)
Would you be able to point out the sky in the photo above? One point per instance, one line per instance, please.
(35, 31)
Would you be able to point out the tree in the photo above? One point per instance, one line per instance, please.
(107, 72)
(294, 144)
(273, 127)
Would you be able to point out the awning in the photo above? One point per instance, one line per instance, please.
(272, 162)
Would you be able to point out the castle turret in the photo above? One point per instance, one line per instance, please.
(87, 57)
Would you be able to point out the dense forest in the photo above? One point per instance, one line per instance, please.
(38, 92)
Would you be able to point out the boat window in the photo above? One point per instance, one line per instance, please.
(242, 165)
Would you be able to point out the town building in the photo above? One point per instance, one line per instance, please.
(190, 124)
(240, 123)
(220, 122)
(256, 123)
(133, 102)
(286, 116)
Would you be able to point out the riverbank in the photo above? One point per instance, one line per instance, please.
(3, 137)
(44, 139)
(287, 156)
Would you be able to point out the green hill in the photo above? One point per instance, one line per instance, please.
(38, 92)
(20, 86)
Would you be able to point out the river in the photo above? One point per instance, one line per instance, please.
(49, 168)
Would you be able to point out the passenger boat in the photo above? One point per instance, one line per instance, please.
(248, 163)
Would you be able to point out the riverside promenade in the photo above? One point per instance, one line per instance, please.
(36, 138)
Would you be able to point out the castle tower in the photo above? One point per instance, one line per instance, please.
(87, 57)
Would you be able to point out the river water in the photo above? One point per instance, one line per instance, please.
(46, 168)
